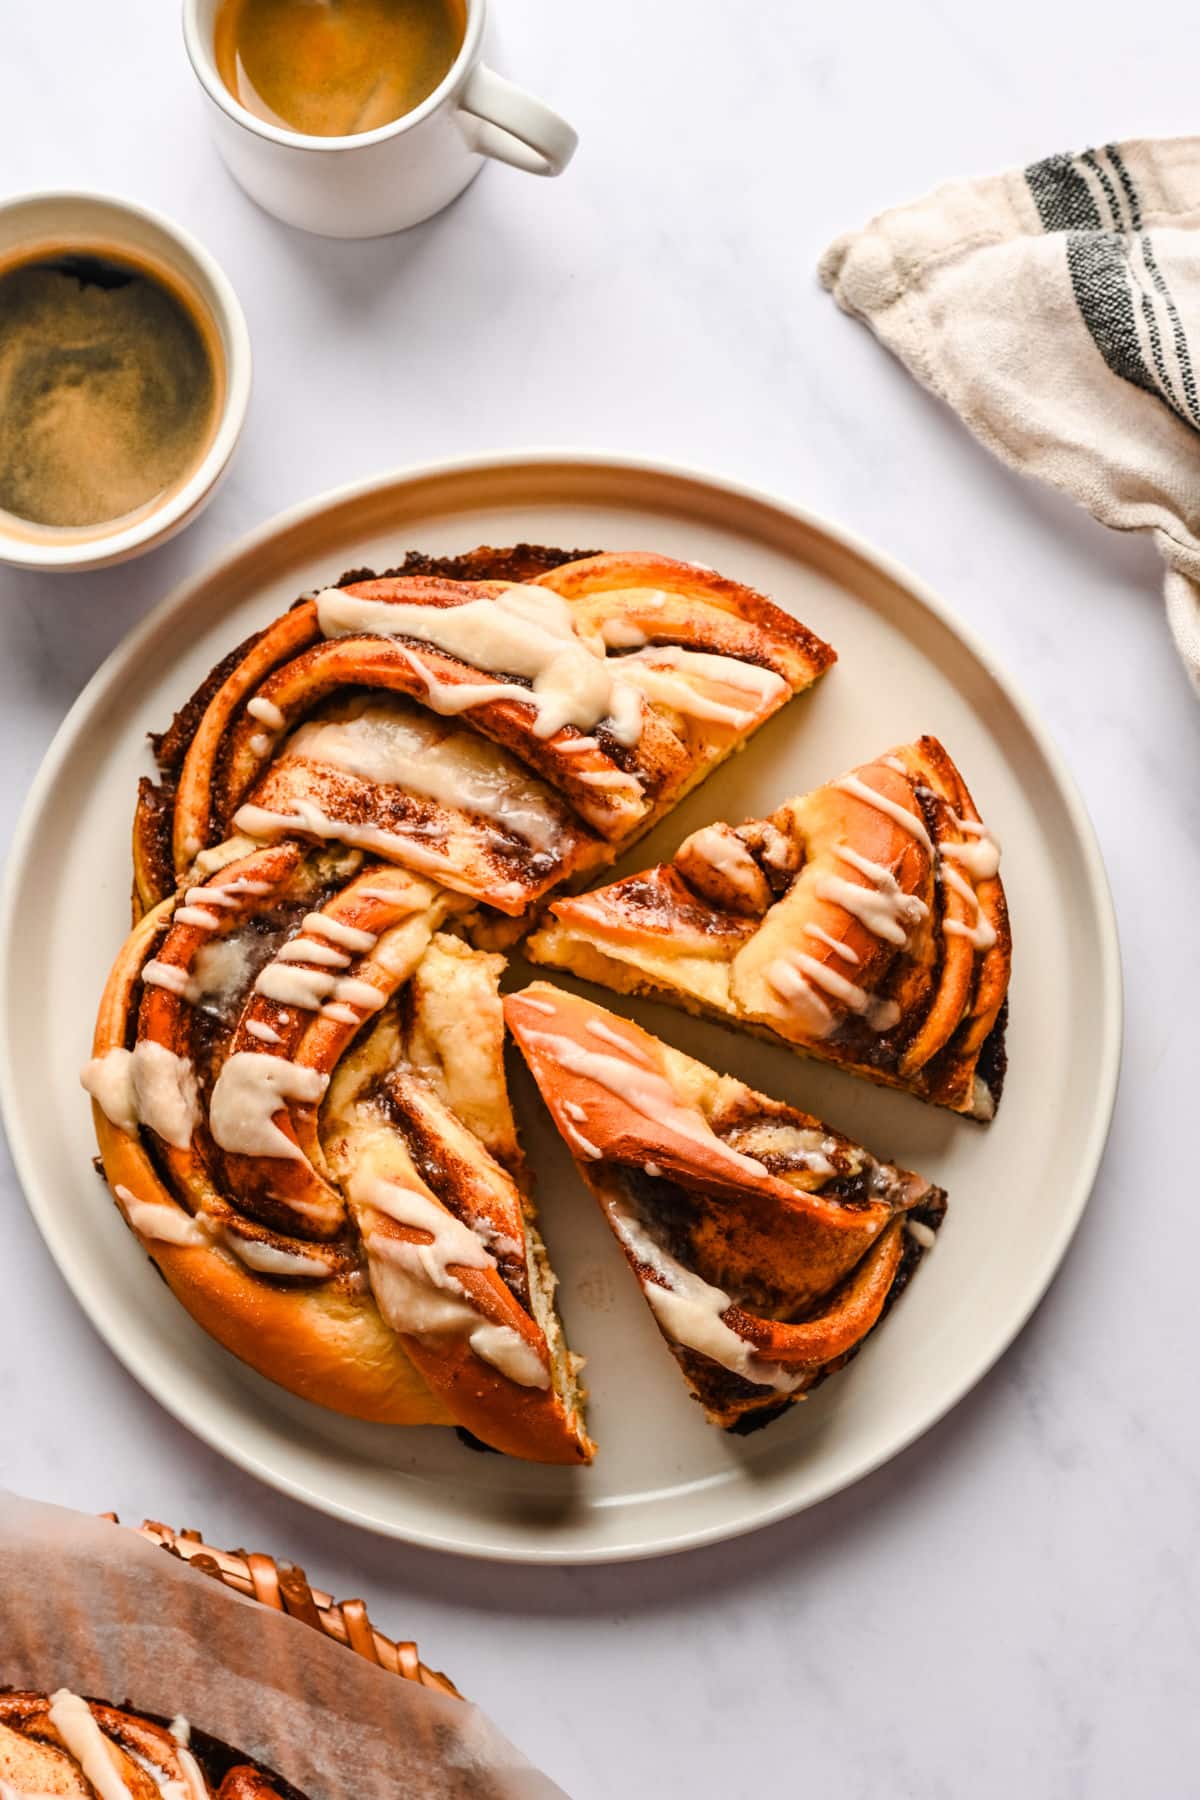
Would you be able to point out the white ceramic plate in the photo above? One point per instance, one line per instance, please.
(663, 1479)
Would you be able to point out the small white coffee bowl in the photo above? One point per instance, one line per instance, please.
(54, 220)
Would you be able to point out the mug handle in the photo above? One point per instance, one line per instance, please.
(512, 126)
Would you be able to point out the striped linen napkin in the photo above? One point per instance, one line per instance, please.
(1057, 310)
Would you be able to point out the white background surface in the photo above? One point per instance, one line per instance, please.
(1011, 1606)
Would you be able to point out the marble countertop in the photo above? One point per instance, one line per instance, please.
(1011, 1605)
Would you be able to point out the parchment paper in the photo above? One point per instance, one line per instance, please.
(87, 1605)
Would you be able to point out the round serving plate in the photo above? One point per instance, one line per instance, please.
(663, 1479)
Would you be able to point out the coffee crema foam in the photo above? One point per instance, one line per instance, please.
(336, 68)
(110, 390)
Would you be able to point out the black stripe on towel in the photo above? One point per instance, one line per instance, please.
(1107, 290)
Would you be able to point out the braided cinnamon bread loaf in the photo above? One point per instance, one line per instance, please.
(298, 1063)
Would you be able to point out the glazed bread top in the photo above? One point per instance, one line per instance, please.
(497, 736)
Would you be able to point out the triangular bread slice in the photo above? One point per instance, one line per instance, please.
(767, 1245)
(863, 923)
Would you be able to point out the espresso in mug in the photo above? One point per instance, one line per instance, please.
(334, 68)
(110, 389)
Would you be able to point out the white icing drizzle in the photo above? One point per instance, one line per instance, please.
(689, 1309)
(980, 933)
(921, 1233)
(199, 916)
(574, 1111)
(542, 1006)
(358, 993)
(286, 981)
(661, 673)
(219, 894)
(109, 1080)
(893, 762)
(599, 1028)
(341, 1015)
(72, 1719)
(270, 1259)
(981, 859)
(348, 936)
(303, 988)
(570, 745)
(261, 744)
(163, 1223)
(723, 851)
(653, 1171)
(727, 671)
(266, 712)
(884, 908)
(579, 1144)
(523, 631)
(148, 1085)
(393, 744)
(886, 911)
(908, 821)
(266, 1034)
(250, 1089)
(243, 884)
(416, 1290)
(168, 976)
(813, 1016)
(304, 950)
(879, 1015)
(261, 822)
(645, 1091)
(506, 1350)
(453, 1241)
(831, 943)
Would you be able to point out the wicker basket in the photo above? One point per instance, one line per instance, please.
(283, 1587)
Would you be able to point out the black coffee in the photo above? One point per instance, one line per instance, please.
(109, 389)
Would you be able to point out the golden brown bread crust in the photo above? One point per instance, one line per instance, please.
(767, 1245)
(863, 923)
(272, 1260)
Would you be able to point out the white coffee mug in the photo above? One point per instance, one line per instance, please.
(383, 180)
